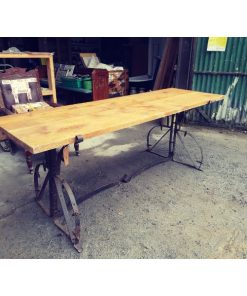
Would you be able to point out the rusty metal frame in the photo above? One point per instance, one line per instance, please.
(66, 209)
(58, 189)
(175, 132)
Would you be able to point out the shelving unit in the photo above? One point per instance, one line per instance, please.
(51, 90)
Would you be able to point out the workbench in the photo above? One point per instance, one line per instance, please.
(51, 131)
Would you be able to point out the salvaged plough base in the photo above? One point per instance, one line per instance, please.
(63, 207)
(61, 197)
(174, 133)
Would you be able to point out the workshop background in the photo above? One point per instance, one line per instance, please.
(223, 72)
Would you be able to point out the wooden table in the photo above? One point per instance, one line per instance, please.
(45, 131)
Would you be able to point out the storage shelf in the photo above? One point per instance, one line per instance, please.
(46, 91)
(26, 55)
(48, 56)
(59, 85)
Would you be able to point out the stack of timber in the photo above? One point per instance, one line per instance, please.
(166, 72)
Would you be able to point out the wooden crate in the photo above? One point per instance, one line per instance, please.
(100, 89)
(107, 84)
(118, 80)
(118, 83)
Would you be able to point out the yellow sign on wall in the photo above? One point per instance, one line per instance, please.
(217, 43)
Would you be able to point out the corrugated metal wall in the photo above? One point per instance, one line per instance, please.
(223, 73)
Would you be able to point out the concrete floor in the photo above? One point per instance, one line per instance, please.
(168, 211)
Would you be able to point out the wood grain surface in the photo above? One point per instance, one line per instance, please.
(48, 129)
(24, 55)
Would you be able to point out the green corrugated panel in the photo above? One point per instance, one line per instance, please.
(240, 52)
(227, 56)
(233, 59)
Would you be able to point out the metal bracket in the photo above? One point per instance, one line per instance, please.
(5, 146)
(8, 146)
(78, 139)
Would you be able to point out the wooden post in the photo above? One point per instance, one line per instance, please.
(51, 78)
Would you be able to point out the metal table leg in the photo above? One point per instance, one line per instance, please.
(59, 193)
(174, 132)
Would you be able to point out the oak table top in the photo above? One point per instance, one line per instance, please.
(44, 130)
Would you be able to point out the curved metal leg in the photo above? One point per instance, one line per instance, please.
(60, 190)
(195, 163)
(174, 131)
(72, 220)
(149, 134)
(150, 146)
